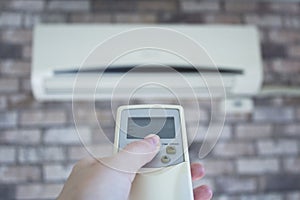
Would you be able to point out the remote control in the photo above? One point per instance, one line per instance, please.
(167, 176)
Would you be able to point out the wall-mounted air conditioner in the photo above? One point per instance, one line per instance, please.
(59, 51)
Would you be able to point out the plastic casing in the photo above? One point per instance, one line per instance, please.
(63, 47)
(168, 183)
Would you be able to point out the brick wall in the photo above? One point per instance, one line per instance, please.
(257, 156)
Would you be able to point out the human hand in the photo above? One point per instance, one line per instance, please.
(93, 180)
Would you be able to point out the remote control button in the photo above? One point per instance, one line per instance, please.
(165, 159)
(171, 150)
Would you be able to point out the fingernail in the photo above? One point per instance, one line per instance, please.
(152, 139)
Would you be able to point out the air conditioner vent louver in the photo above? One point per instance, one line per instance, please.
(149, 69)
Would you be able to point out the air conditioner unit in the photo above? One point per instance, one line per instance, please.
(60, 50)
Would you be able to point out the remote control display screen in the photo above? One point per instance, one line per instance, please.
(140, 127)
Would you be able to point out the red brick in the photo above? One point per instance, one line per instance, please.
(233, 149)
(283, 66)
(193, 6)
(114, 6)
(54, 18)
(28, 5)
(83, 117)
(7, 154)
(291, 165)
(196, 115)
(67, 135)
(19, 174)
(68, 6)
(90, 18)
(284, 36)
(26, 86)
(257, 166)
(238, 6)
(264, 21)
(27, 52)
(8, 119)
(273, 114)
(17, 69)
(196, 133)
(253, 131)
(10, 51)
(135, 18)
(24, 137)
(31, 19)
(292, 22)
(3, 102)
(40, 155)
(284, 7)
(294, 51)
(43, 117)
(291, 129)
(271, 183)
(165, 6)
(236, 185)
(194, 17)
(21, 100)
(17, 36)
(237, 117)
(269, 196)
(38, 191)
(271, 51)
(298, 114)
(293, 195)
(222, 18)
(218, 167)
(278, 147)
(10, 19)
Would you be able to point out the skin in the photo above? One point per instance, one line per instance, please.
(93, 180)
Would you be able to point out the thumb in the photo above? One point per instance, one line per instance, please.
(136, 154)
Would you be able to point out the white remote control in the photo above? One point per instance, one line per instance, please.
(168, 175)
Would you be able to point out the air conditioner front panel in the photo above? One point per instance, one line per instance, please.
(62, 47)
